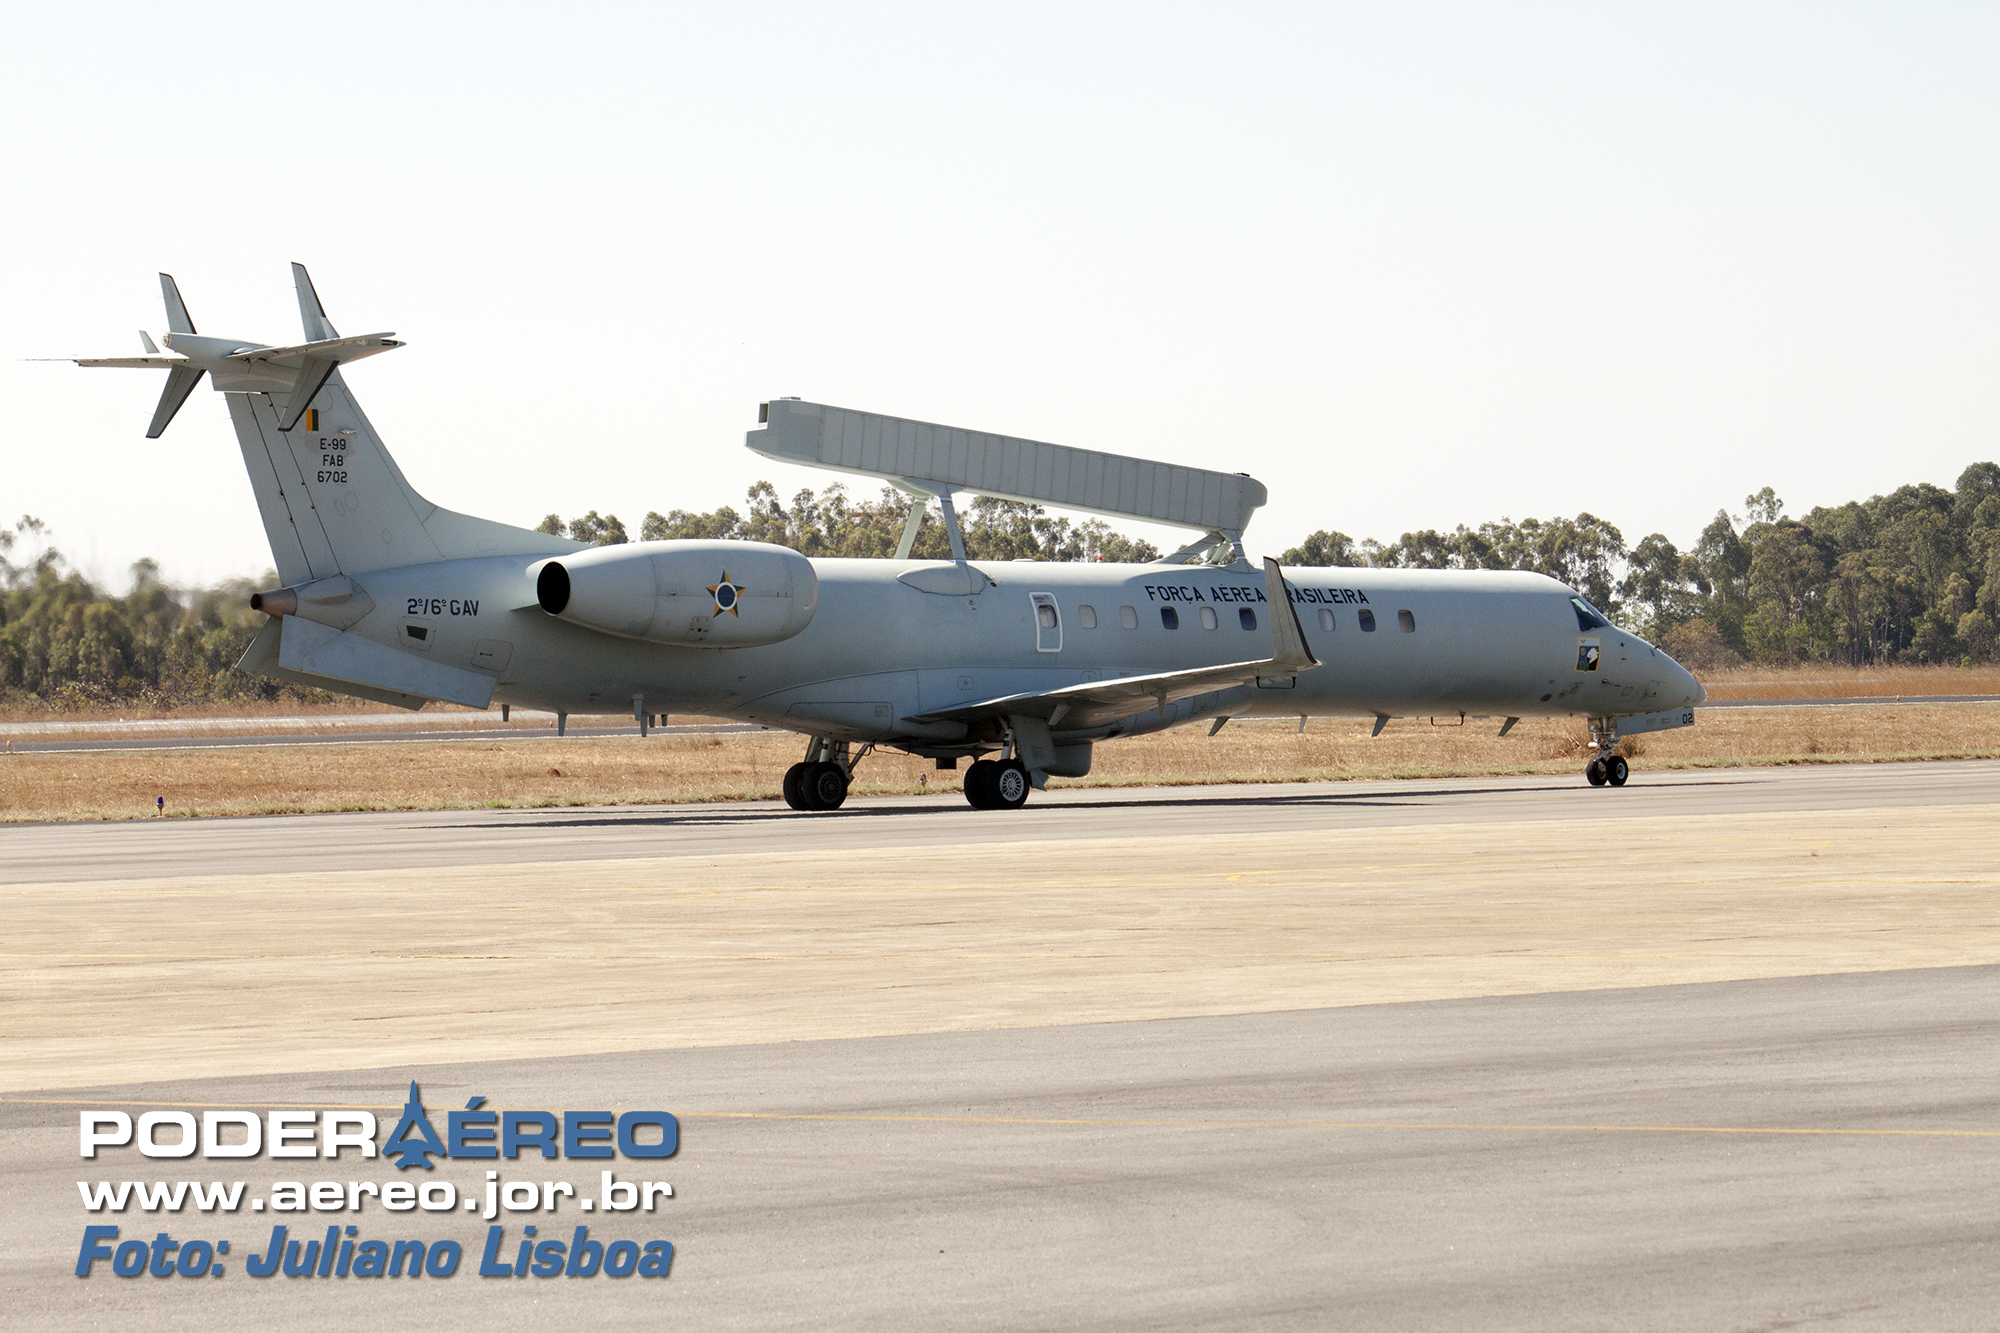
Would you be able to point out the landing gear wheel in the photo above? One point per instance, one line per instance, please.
(825, 786)
(979, 784)
(1616, 770)
(795, 787)
(1594, 772)
(1010, 785)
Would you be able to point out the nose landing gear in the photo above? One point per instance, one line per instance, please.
(1609, 767)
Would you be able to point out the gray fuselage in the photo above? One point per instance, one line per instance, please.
(878, 653)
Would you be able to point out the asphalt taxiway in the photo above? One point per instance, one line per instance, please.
(1811, 1152)
(1713, 1050)
(944, 824)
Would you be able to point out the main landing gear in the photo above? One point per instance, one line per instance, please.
(997, 784)
(820, 783)
(1609, 767)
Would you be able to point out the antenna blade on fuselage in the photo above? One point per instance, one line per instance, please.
(180, 383)
(177, 311)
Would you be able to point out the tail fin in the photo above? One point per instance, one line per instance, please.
(332, 498)
(180, 381)
(334, 501)
(311, 313)
(177, 311)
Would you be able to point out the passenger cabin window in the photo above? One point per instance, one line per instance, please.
(1246, 617)
(1587, 617)
(1407, 621)
(1086, 615)
(1170, 617)
(1326, 620)
(1367, 621)
(1208, 617)
(1048, 624)
(1128, 617)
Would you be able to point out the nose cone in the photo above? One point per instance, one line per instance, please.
(1691, 690)
(1679, 683)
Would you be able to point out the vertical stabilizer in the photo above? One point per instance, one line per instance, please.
(177, 311)
(311, 313)
(180, 383)
(332, 499)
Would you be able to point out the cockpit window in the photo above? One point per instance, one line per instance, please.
(1587, 617)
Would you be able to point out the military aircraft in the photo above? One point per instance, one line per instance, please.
(1019, 667)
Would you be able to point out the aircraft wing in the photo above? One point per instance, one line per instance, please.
(1096, 703)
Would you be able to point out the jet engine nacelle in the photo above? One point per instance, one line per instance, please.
(696, 594)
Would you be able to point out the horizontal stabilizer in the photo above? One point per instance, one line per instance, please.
(1007, 468)
(335, 350)
(158, 361)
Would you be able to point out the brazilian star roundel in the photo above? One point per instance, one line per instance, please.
(727, 596)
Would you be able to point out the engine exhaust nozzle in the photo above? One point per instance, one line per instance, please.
(552, 588)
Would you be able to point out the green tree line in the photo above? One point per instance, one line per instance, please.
(832, 523)
(1910, 576)
(66, 644)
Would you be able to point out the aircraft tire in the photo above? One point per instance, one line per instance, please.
(825, 785)
(1595, 773)
(979, 784)
(795, 787)
(1009, 785)
(1616, 770)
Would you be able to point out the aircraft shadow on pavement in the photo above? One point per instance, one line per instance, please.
(1388, 800)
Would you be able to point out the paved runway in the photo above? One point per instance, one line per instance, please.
(1812, 1152)
(1808, 1138)
(352, 736)
(944, 825)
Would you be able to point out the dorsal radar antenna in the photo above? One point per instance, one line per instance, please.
(929, 460)
(292, 376)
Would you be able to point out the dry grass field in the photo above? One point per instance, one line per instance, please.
(1828, 682)
(623, 770)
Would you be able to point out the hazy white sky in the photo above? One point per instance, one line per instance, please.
(1411, 265)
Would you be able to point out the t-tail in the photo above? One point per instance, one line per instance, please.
(332, 499)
